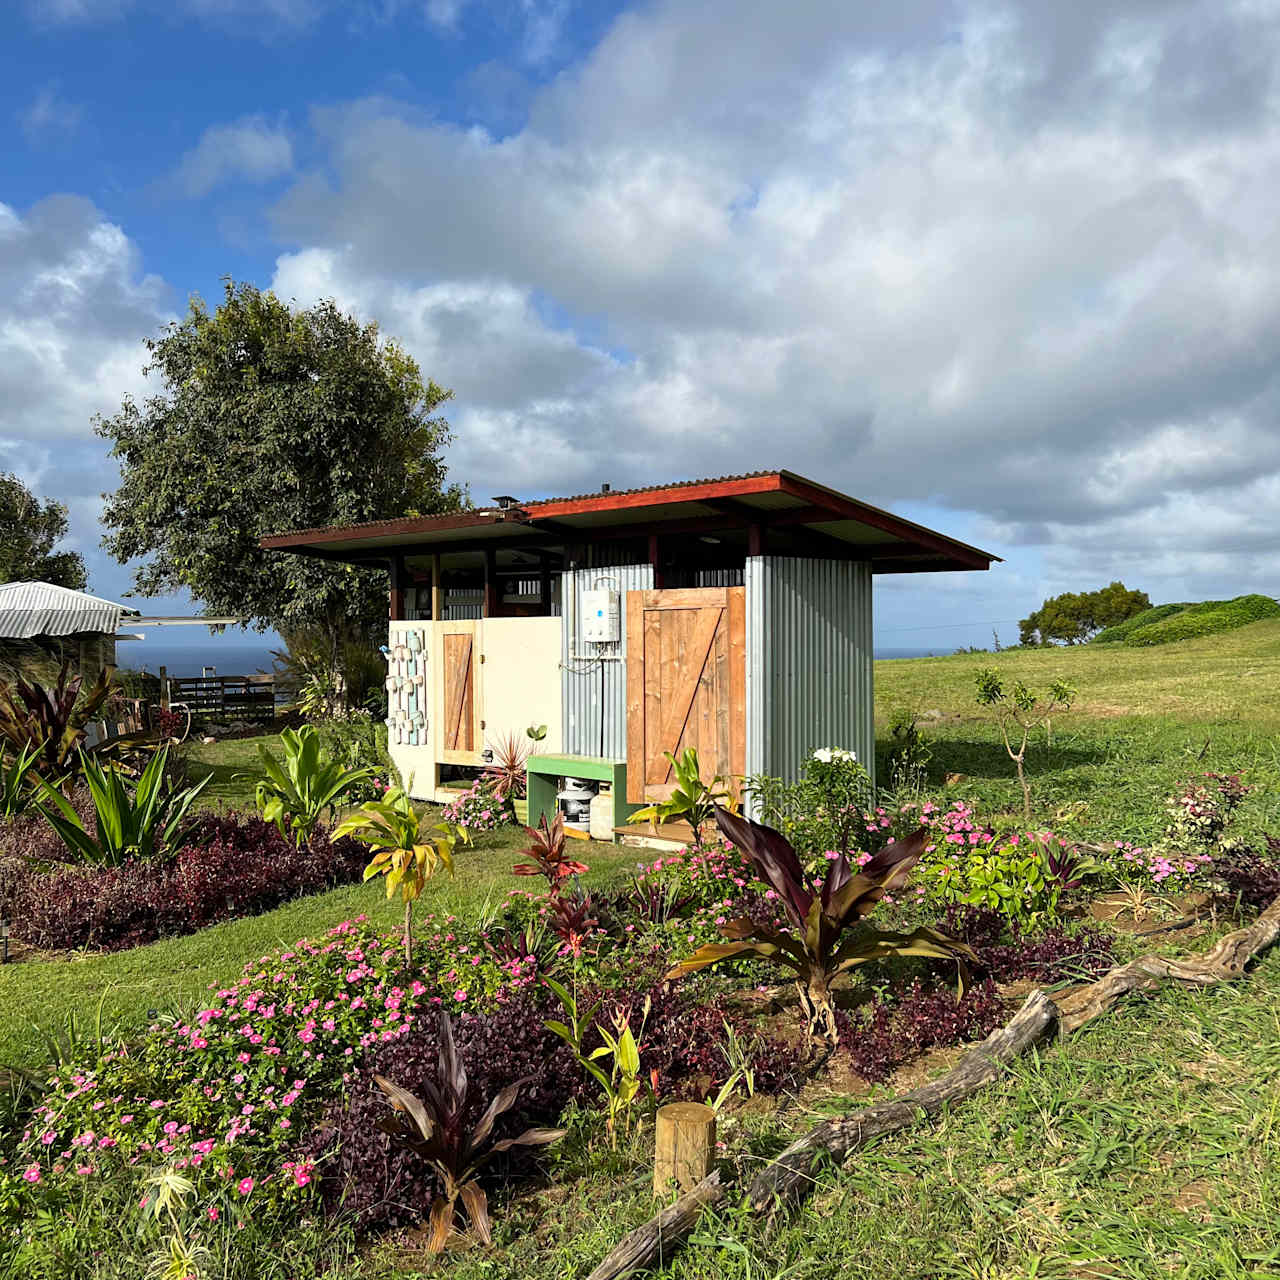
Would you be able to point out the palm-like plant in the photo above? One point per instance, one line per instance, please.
(827, 936)
(546, 852)
(50, 718)
(131, 819)
(435, 1128)
(309, 782)
(692, 800)
(408, 853)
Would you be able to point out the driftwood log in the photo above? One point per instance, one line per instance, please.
(791, 1174)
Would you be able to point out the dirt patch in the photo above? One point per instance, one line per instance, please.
(1147, 915)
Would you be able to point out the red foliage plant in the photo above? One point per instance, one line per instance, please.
(547, 853)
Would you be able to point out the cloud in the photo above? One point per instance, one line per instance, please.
(1018, 261)
(49, 115)
(248, 150)
(74, 309)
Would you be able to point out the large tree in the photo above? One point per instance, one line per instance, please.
(1075, 616)
(29, 531)
(269, 418)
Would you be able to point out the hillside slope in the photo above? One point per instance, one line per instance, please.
(1232, 676)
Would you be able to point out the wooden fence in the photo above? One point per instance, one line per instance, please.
(224, 697)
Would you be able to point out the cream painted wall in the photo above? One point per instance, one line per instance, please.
(517, 684)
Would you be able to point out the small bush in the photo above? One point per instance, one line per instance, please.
(1253, 877)
(236, 867)
(883, 1035)
(1054, 955)
(479, 809)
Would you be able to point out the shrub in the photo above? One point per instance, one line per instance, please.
(1208, 618)
(1200, 812)
(238, 867)
(890, 1031)
(824, 809)
(50, 718)
(382, 1185)
(479, 809)
(305, 785)
(1122, 630)
(1254, 878)
(1054, 955)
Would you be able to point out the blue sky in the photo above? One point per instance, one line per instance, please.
(1009, 269)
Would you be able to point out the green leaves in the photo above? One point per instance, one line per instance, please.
(691, 800)
(269, 418)
(132, 820)
(298, 791)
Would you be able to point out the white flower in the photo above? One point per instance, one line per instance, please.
(823, 755)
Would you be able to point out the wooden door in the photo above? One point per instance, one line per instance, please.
(686, 685)
(460, 735)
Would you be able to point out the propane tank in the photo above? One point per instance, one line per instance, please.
(574, 802)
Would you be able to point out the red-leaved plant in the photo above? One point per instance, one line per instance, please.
(547, 853)
(827, 935)
(434, 1127)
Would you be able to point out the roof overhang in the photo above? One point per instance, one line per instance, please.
(799, 516)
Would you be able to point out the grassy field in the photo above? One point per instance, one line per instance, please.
(1144, 721)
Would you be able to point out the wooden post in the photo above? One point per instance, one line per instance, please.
(685, 1146)
(655, 559)
(755, 538)
(398, 576)
(164, 688)
(437, 590)
(492, 588)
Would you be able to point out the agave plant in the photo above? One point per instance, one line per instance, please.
(131, 819)
(297, 792)
(50, 718)
(408, 852)
(827, 936)
(547, 853)
(435, 1128)
(691, 800)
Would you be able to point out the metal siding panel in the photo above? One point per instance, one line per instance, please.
(809, 661)
(586, 708)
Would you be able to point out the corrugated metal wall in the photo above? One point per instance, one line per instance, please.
(809, 661)
(595, 692)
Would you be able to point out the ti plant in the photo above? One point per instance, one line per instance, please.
(307, 783)
(827, 936)
(691, 800)
(571, 919)
(507, 771)
(139, 819)
(435, 1127)
(50, 719)
(408, 853)
(620, 1083)
(547, 856)
(1019, 711)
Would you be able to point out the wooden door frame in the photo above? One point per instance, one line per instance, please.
(472, 627)
(732, 602)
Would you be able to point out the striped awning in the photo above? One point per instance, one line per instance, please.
(31, 609)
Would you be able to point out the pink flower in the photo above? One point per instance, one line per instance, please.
(213, 1213)
(31, 1173)
(244, 1186)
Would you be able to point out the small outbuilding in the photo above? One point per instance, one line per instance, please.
(731, 615)
(62, 624)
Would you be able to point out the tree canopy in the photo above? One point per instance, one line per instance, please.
(270, 418)
(29, 531)
(1073, 617)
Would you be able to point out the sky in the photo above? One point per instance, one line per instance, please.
(1010, 270)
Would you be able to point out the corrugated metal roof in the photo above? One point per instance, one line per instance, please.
(30, 609)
